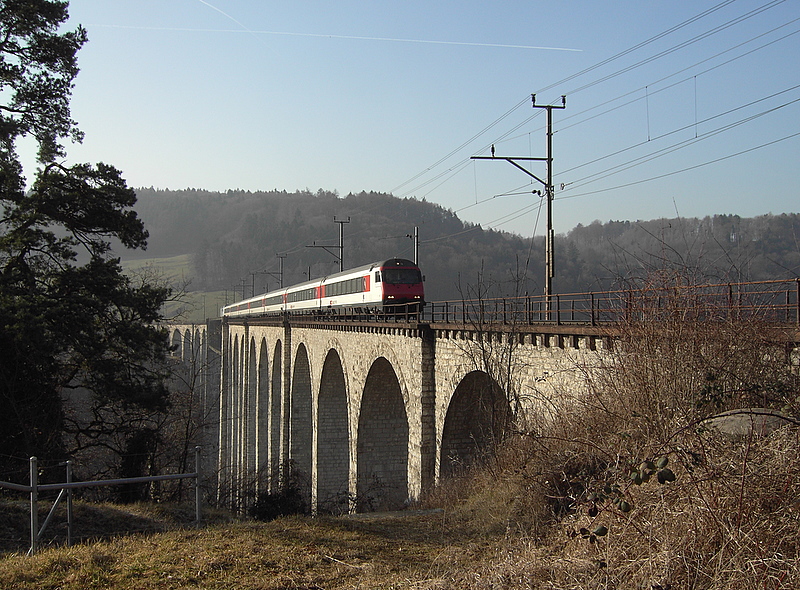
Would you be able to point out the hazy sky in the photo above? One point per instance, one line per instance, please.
(673, 108)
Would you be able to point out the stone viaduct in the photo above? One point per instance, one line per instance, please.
(368, 416)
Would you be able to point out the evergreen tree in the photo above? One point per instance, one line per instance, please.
(69, 317)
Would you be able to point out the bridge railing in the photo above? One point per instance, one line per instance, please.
(776, 301)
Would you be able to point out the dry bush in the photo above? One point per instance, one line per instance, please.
(642, 492)
(496, 494)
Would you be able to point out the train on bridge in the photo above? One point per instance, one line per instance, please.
(384, 287)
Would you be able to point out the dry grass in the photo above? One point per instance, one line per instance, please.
(732, 523)
(729, 522)
(383, 552)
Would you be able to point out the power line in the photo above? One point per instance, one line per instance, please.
(675, 48)
(462, 146)
(454, 170)
(674, 147)
(687, 169)
(693, 76)
(669, 149)
(637, 46)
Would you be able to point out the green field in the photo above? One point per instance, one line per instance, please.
(189, 306)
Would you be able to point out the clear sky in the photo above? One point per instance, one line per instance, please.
(673, 108)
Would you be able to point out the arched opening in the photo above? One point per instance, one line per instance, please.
(477, 419)
(249, 413)
(301, 430)
(333, 440)
(382, 482)
(276, 393)
(262, 422)
(175, 341)
(197, 349)
(233, 416)
(187, 350)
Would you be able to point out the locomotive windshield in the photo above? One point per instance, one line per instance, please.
(402, 276)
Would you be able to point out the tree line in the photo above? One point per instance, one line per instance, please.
(234, 237)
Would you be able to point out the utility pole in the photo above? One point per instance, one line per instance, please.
(341, 223)
(278, 275)
(548, 191)
(281, 257)
(415, 237)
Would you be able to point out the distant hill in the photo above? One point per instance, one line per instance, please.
(233, 238)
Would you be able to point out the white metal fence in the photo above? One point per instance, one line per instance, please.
(65, 492)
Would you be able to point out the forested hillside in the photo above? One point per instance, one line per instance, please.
(234, 237)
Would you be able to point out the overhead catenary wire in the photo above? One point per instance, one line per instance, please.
(669, 149)
(686, 169)
(581, 73)
(680, 145)
(619, 55)
(682, 45)
(462, 146)
(694, 76)
(636, 47)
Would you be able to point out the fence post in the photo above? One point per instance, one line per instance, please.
(69, 505)
(788, 303)
(34, 474)
(197, 490)
(528, 309)
(797, 300)
(558, 310)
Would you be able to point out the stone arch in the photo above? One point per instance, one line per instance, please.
(249, 414)
(275, 416)
(197, 347)
(333, 439)
(301, 427)
(386, 351)
(233, 414)
(382, 460)
(175, 341)
(262, 412)
(477, 418)
(187, 350)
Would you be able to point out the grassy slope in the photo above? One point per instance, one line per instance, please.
(421, 551)
(729, 522)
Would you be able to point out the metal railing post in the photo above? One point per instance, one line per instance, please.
(558, 310)
(34, 475)
(197, 491)
(797, 301)
(786, 314)
(528, 309)
(69, 505)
